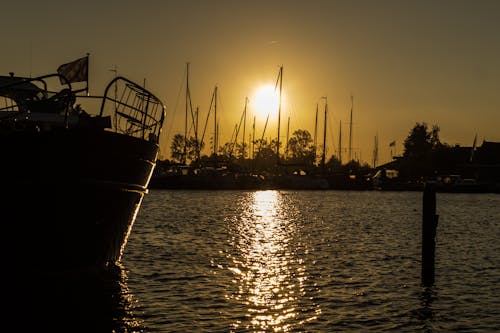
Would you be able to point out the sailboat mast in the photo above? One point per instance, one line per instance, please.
(350, 130)
(375, 152)
(263, 133)
(280, 78)
(216, 129)
(253, 138)
(316, 134)
(340, 143)
(323, 155)
(287, 137)
(206, 120)
(244, 127)
(184, 155)
(198, 145)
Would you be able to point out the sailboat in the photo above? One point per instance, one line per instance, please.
(212, 175)
(283, 179)
(344, 179)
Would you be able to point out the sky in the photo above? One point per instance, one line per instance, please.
(402, 61)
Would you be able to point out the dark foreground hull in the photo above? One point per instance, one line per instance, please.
(70, 196)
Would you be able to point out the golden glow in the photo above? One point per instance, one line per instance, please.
(270, 278)
(265, 101)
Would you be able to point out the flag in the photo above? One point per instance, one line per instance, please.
(75, 71)
(473, 148)
(392, 144)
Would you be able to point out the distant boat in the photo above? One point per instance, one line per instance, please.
(457, 184)
(73, 180)
(207, 178)
(389, 180)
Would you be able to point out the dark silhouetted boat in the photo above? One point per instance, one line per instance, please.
(73, 180)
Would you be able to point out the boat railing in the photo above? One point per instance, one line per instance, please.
(135, 110)
(22, 94)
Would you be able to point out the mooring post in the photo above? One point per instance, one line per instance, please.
(429, 225)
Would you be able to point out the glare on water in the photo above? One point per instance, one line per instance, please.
(268, 276)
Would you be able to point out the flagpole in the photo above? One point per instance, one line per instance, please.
(88, 58)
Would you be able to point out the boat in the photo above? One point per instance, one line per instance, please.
(206, 178)
(457, 184)
(389, 180)
(75, 169)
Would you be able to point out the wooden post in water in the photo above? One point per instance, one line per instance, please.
(429, 225)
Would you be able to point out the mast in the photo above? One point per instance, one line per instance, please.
(250, 155)
(340, 143)
(280, 78)
(198, 145)
(375, 152)
(235, 135)
(323, 155)
(216, 129)
(206, 120)
(263, 133)
(244, 127)
(315, 134)
(287, 137)
(253, 138)
(350, 130)
(115, 70)
(188, 106)
(237, 130)
(184, 154)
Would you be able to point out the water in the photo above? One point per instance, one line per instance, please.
(311, 261)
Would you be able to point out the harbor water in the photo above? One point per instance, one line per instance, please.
(310, 261)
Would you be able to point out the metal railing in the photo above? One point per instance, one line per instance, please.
(135, 110)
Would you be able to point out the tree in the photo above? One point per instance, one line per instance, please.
(182, 150)
(227, 150)
(239, 149)
(421, 141)
(419, 147)
(300, 147)
(177, 148)
(265, 155)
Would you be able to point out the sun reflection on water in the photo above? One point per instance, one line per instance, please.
(269, 275)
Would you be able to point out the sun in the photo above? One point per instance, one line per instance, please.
(265, 101)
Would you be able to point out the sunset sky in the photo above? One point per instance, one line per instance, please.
(403, 61)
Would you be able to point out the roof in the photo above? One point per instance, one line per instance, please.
(488, 153)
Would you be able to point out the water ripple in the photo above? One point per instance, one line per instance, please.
(278, 261)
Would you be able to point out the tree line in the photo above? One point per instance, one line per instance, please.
(297, 154)
(424, 154)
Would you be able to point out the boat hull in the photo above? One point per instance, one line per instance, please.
(70, 196)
